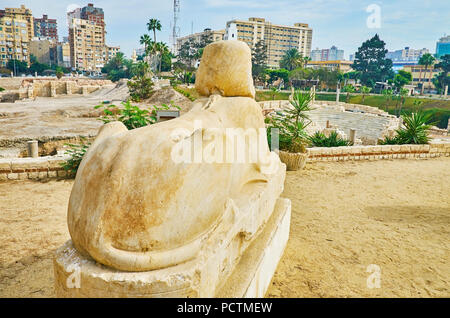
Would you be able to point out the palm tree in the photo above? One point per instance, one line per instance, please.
(162, 49)
(153, 25)
(426, 60)
(145, 40)
(349, 89)
(306, 60)
(387, 93)
(365, 90)
(291, 60)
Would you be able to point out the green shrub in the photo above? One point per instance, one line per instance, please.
(76, 153)
(1, 89)
(415, 130)
(291, 124)
(130, 115)
(320, 140)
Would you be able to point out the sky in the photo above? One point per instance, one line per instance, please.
(343, 23)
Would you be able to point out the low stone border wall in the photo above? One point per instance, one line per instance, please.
(50, 167)
(32, 168)
(432, 150)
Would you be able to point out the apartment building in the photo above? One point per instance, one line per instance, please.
(341, 65)
(422, 77)
(216, 35)
(331, 54)
(87, 39)
(45, 50)
(46, 28)
(16, 32)
(110, 52)
(278, 38)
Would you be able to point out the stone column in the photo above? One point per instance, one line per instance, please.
(448, 125)
(328, 124)
(313, 93)
(32, 148)
(69, 88)
(338, 92)
(446, 91)
(352, 136)
(84, 90)
(52, 89)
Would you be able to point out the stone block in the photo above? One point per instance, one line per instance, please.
(13, 176)
(29, 164)
(80, 276)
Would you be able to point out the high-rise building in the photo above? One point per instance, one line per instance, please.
(443, 46)
(16, 32)
(87, 41)
(405, 57)
(278, 38)
(111, 51)
(331, 54)
(46, 28)
(406, 54)
(212, 34)
(45, 50)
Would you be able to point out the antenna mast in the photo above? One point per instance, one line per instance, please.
(176, 28)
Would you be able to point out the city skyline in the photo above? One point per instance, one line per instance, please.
(416, 24)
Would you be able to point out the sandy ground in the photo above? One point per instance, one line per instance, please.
(345, 216)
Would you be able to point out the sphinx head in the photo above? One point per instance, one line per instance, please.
(226, 69)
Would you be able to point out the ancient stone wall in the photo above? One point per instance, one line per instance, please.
(50, 167)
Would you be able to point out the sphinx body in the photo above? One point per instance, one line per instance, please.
(134, 208)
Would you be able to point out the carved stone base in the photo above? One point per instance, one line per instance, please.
(222, 271)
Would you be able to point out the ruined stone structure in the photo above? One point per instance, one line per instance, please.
(144, 224)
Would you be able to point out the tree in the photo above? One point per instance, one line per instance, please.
(291, 60)
(442, 79)
(365, 90)
(145, 40)
(153, 25)
(118, 67)
(425, 60)
(141, 85)
(280, 73)
(349, 89)
(259, 61)
(371, 63)
(17, 66)
(162, 49)
(387, 93)
(401, 79)
(402, 95)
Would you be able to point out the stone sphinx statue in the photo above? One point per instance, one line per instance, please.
(139, 203)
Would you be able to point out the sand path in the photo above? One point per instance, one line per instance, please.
(395, 214)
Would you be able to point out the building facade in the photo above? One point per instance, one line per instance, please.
(443, 46)
(406, 55)
(215, 35)
(331, 54)
(87, 39)
(111, 51)
(278, 38)
(422, 77)
(46, 28)
(341, 65)
(16, 32)
(45, 50)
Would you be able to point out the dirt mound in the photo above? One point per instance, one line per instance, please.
(168, 96)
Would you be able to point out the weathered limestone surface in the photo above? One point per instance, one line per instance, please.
(164, 226)
(226, 69)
